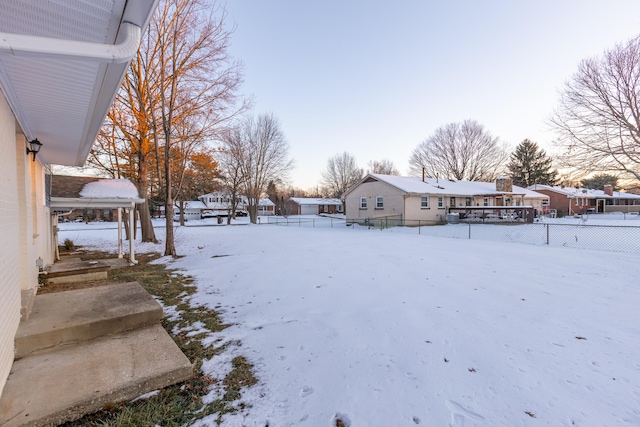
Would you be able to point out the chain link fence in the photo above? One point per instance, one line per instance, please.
(597, 237)
(294, 221)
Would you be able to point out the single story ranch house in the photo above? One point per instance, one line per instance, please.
(575, 200)
(410, 199)
(313, 206)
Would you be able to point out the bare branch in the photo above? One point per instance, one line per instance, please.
(461, 151)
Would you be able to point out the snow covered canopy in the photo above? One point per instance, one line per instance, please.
(74, 192)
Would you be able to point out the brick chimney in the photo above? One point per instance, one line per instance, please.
(504, 184)
(608, 190)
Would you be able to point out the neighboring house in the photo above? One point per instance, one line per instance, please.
(193, 209)
(266, 207)
(312, 206)
(220, 203)
(57, 91)
(413, 199)
(572, 200)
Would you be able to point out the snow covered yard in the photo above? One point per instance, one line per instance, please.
(381, 329)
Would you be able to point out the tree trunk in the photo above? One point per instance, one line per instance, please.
(146, 226)
(169, 247)
(253, 210)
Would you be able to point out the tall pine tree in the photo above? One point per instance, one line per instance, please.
(530, 165)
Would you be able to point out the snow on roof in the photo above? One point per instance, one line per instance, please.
(265, 202)
(110, 189)
(411, 184)
(194, 204)
(316, 201)
(572, 192)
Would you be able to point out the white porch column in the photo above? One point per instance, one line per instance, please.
(132, 212)
(119, 232)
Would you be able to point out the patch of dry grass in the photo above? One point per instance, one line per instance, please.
(180, 404)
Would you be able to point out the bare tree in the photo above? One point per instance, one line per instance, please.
(123, 148)
(383, 167)
(462, 151)
(341, 173)
(262, 154)
(181, 90)
(229, 161)
(598, 119)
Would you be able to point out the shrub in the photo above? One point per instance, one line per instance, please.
(68, 244)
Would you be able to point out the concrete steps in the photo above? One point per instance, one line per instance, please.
(72, 271)
(66, 317)
(82, 350)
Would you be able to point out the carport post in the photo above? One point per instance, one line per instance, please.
(132, 211)
(119, 232)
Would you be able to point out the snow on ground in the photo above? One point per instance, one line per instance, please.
(393, 329)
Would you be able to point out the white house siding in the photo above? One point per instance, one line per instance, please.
(393, 201)
(415, 211)
(35, 220)
(25, 231)
(10, 237)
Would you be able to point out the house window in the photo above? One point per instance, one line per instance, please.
(379, 202)
(485, 201)
(363, 203)
(467, 201)
(424, 202)
(452, 202)
(440, 202)
(517, 202)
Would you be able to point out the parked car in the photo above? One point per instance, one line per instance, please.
(208, 214)
(79, 219)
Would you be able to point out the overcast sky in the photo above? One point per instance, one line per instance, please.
(375, 78)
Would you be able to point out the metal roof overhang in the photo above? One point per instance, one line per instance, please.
(65, 204)
(61, 64)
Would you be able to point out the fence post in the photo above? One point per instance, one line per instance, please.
(547, 227)
(313, 223)
(419, 222)
(469, 230)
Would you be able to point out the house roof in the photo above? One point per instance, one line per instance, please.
(69, 186)
(61, 64)
(265, 202)
(572, 192)
(79, 192)
(414, 185)
(315, 201)
(195, 204)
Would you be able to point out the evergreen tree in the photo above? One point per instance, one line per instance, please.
(597, 182)
(530, 165)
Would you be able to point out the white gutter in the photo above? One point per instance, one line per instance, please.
(25, 45)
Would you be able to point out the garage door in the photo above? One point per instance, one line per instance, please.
(309, 210)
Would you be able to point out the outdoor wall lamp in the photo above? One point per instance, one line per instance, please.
(34, 146)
